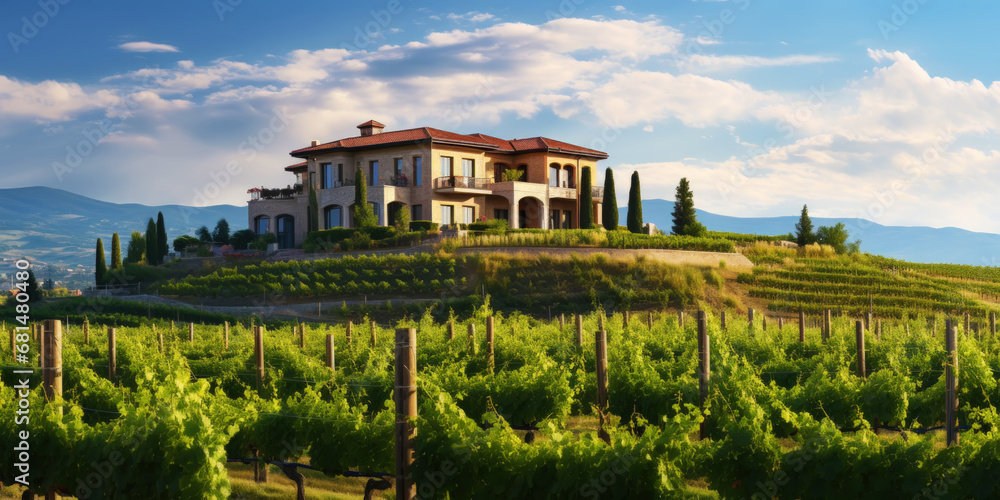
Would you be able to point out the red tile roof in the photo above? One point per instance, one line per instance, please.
(297, 166)
(371, 123)
(433, 135)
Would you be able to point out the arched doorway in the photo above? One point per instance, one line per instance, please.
(530, 213)
(393, 208)
(286, 231)
(333, 216)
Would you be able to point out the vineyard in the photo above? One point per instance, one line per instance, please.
(510, 406)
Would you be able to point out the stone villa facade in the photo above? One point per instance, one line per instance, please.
(441, 176)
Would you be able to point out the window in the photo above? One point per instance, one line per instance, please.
(553, 219)
(468, 167)
(501, 213)
(260, 224)
(398, 172)
(469, 214)
(417, 212)
(446, 166)
(326, 176)
(340, 174)
(373, 173)
(286, 231)
(554, 175)
(332, 217)
(447, 215)
(567, 218)
(375, 210)
(418, 171)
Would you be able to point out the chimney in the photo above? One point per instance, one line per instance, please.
(315, 143)
(371, 127)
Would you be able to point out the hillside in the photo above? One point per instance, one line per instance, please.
(914, 244)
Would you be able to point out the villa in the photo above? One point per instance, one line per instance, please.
(441, 176)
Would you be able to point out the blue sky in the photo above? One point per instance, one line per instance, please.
(885, 110)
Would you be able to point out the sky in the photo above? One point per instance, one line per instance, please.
(885, 110)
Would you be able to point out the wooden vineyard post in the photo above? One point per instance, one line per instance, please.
(649, 319)
(868, 320)
(967, 321)
(763, 320)
(750, 317)
(950, 387)
(993, 323)
(562, 321)
(625, 318)
(112, 355)
(473, 348)
(225, 335)
(451, 330)
(374, 338)
(722, 319)
(934, 328)
(704, 358)
(86, 331)
(802, 325)
(406, 411)
(878, 329)
(258, 350)
(781, 323)
(489, 344)
(600, 322)
(680, 318)
(329, 352)
(191, 333)
(601, 350)
(160, 341)
(827, 324)
(52, 376)
(579, 331)
(302, 335)
(861, 348)
(350, 331)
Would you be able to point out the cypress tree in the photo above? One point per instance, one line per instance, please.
(116, 253)
(152, 246)
(684, 216)
(313, 217)
(635, 205)
(586, 200)
(34, 291)
(364, 216)
(804, 228)
(100, 268)
(163, 246)
(609, 207)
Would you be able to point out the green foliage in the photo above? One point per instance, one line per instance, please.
(364, 215)
(402, 219)
(835, 236)
(220, 234)
(100, 267)
(635, 205)
(804, 229)
(511, 174)
(586, 199)
(163, 245)
(136, 249)
(313, 210)
(590, 238)
(424, 225)
(261, 241)
(242, 239)
(492, 226)
(152, 245)
(685, 218)
(203, 234)
(185, 241)
(34, 291)
(116, 252)
(609, 206)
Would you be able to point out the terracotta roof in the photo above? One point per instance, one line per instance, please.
(297, 166)
(428, 134)
(371, 123)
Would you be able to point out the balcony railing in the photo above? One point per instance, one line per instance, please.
(399, 182)
(597, 192)
(462, 182)
(285, 193)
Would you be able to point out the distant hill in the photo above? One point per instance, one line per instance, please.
(916, 243)
(52, 226)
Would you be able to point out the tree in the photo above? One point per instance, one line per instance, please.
(586, 200)
(182, 242)
(161, 237)
(313, 218)
(204, 234)
(100, 268)
(634, 205)
(34, 291)
(835, 236)
(804, 228)
(364, 216)
(116, 253)
(684, 216)
(402, 219)
(241, 239)
(136, 252)
(152, 246)
(221, 233)
(609, 207)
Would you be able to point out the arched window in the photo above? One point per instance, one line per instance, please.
(332, 217)
(261, 224)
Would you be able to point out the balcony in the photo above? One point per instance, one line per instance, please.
(562, 192)
(597, 193)
(286, 193)
(463, 185)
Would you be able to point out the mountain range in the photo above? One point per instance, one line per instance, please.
(56, 227)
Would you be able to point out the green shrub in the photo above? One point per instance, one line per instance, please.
(423, 225)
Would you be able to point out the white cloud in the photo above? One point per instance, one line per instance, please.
(147, 47)
(474, 16)
(620, 8)
(49, 100)
(711, 63)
